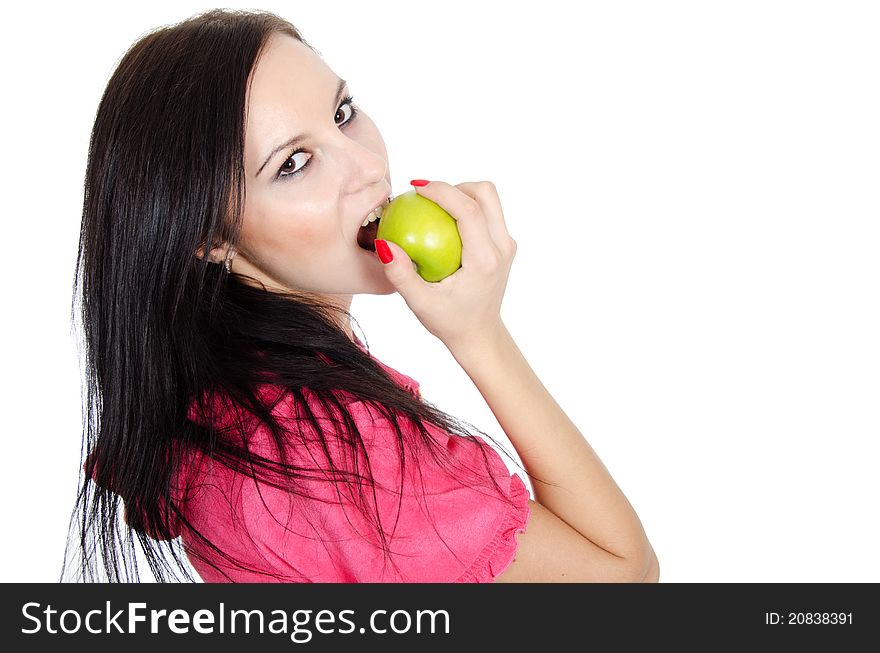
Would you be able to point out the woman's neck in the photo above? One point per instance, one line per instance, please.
(344, 304)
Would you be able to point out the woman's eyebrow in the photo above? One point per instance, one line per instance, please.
(301, 137)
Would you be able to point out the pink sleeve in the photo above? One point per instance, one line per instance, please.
(438, 530)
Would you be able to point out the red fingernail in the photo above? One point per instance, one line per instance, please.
(419, 182)
(383, 251)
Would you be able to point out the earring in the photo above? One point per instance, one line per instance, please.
(228, 262)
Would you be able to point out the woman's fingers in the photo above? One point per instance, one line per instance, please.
(477, 243)
(401, 272)
(486, 195)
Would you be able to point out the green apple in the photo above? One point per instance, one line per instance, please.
(425, 231)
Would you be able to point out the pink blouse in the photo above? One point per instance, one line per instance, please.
(441, 530)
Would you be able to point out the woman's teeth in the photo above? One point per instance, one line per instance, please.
(375, 214)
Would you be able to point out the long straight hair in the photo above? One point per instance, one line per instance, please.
(163, 327)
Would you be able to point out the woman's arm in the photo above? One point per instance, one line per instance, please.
(584, 528)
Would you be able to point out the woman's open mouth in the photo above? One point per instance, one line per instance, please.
(366, 235)
(370, 227)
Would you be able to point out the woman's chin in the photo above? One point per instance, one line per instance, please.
(383, 286)
(373, 279)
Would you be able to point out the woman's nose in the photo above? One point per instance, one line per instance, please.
(364, 165)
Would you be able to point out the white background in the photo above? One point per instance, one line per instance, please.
(694, 190)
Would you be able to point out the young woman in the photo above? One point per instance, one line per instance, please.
(245, 428)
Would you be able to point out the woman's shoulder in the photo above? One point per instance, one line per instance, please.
(402, 379)
(449, 520)
(216, 408)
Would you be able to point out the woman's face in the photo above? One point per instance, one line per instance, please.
(306, 201)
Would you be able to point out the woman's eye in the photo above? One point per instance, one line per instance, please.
(351, 111)
(289, 169)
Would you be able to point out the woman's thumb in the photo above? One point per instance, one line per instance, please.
(399, 268)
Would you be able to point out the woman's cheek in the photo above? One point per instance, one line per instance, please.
(307, 233)
(276, 228)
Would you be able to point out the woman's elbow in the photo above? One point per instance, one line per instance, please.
(652, 572)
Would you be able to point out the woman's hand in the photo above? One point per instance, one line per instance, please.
(466, 305)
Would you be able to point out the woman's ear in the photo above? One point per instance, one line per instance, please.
(216, 255)
(221, 254)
